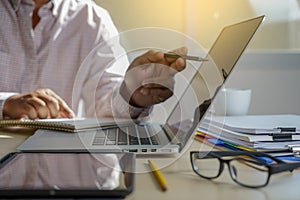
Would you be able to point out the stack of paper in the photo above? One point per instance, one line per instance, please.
(261, 132)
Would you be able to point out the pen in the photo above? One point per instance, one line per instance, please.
(158, 175)
(194, 58)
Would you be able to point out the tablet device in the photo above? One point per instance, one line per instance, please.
(67, 175)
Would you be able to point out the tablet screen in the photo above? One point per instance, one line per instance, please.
(67, 174)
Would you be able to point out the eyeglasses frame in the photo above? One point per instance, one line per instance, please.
(275, 167)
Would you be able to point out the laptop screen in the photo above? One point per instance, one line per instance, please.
(222, 57)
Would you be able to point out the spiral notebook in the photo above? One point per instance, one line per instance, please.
(67, 125)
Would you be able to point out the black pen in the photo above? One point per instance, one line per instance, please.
(194, 58)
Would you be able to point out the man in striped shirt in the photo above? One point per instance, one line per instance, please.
(53, 54)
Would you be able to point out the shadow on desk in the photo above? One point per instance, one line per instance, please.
(12, 137)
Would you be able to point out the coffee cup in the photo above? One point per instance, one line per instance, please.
(232, 102)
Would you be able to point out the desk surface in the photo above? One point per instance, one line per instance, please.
(182, 182)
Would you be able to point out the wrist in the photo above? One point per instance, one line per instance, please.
(128, 95)
(121, 107)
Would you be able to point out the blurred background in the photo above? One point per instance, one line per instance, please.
(271, 64)
(203, 20)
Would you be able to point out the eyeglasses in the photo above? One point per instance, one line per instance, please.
(248, 169)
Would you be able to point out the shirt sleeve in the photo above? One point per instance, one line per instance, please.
(102, 73)
(3, 97)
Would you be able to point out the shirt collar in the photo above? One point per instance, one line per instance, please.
(15, 4)
(56, 4)
(51, 5)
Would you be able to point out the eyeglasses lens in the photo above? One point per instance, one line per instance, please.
(249, 173)
(207, 167)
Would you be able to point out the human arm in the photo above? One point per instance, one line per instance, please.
(102, 88)
(108, 94)
(149, 79)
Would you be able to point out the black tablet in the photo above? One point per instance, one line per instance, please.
(67, 175)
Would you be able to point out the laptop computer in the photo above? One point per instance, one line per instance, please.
(171, 137)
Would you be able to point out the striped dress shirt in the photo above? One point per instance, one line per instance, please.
(73, 50)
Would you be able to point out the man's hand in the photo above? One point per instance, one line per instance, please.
(150, 78)
(41, 103)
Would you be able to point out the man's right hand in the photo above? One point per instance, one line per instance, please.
(38, 104)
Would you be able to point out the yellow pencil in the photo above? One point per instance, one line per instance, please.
(158, 175)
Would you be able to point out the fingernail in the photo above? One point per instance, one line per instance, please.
(71, 115)
(143, 91)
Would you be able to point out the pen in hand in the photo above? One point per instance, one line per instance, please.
(158, 175)
(194, 58)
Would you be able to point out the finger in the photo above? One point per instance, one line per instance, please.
(28, 110)
(17, 107)
(163, 93)
(179, 51)
(156, 57)
(149, 57)
(157, 95)
(60, 107)
(49, 102)
(152, 85)
(144, 91)
(177, 66)
(156, 90)
(158, 99)
(62, 115)
(40, 107)
(147, 90)
(53, 105)
(178, 63)
(159, 82)
(66, 111)
(22, 116)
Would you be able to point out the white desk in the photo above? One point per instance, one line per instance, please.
(183, 183)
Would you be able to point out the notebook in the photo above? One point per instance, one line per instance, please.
(217, 130)
(258, 124)
(67, 125)
(172, 136)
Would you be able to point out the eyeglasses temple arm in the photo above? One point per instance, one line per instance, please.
(281, 167)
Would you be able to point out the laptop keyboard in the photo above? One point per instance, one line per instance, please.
(132, 135)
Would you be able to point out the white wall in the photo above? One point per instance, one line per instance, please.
(271, 67)
(203, 19)
(274, 77)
